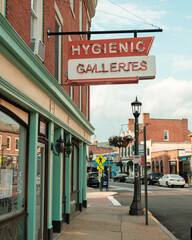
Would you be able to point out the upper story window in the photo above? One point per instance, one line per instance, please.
(58, 28)
(72, 6)
(57, 52)
(80, 15)
(87, 102)
(2, 7)
(16, 144)
(80, 98)
(148, 152)
(0, 141)
(36, 19)
(8, 143)
(88, 22)
(166, 135)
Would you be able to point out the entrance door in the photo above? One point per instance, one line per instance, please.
(40, 191)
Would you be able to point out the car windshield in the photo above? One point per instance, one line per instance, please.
(156, 174)
(175, 176)
(94, 174)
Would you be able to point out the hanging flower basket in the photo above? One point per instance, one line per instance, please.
(119, 141)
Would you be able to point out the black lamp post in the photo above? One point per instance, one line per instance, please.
(136, 208)
(90, 159)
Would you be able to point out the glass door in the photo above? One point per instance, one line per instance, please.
(40, 191)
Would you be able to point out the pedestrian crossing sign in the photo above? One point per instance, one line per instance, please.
(100, 168)
(100, 160)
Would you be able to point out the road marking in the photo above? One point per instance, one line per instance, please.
(114, 201)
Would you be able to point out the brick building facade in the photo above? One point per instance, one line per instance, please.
(167, 140)
(45, 129)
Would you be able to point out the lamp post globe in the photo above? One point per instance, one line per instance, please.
(136, 207)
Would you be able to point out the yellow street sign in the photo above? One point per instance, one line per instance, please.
(0, 160)
(100, 168)
(100, 160)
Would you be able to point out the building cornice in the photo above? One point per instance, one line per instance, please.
(13, 48)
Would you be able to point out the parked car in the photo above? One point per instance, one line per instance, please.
(120, 177)
(152, 177)
(171, 180)
(130, 178)
(92, 179)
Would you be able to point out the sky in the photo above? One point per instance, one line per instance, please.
(169, 95)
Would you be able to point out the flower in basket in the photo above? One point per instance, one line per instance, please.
(119, 141)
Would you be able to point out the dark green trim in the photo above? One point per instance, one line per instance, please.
(14, 94)
(20, 55)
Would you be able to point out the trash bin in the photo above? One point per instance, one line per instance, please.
(104, 183)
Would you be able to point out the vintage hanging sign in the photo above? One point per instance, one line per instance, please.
(108, 61)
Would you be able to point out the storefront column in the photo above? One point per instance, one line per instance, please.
(81, 176)
(57, 185)
(84, 176)
(33, 138)
(50, 180)
(68, 181)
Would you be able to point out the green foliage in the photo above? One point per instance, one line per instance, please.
(119, 141)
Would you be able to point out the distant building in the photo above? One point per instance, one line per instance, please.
(165, 138)
(108, 152)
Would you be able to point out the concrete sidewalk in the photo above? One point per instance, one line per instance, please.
(102, 221)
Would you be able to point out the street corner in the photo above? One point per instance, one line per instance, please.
(100, 194)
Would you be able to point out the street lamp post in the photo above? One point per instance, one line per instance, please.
(136, 208)
(90, 159)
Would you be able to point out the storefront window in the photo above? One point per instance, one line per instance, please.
(12, 166)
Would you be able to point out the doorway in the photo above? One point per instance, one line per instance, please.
(40, 192)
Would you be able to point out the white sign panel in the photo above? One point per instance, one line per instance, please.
(137, 159)
(143, 67)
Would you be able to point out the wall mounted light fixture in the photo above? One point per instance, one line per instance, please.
(68, 148)
(61, 147)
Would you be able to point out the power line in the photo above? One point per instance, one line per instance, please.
(133, 14)
(122, 17)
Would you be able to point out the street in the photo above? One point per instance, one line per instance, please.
(172, 207)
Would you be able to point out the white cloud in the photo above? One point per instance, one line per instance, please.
(169, 98)
(111, 105)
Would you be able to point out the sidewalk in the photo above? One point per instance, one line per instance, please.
(104, 221)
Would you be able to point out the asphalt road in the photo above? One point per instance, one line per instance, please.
(170, 206)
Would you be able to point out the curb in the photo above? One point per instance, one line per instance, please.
(163, 228)
(172, 237)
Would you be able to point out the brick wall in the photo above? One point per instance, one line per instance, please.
(99, 150)
(177, 128)
(18, 13)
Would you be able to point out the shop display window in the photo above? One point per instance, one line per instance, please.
(12, 166)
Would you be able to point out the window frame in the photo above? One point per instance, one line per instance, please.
(166, 134)
(37, 20)
(80, 98)
(16, 149)
(81, 17)
(9, 147)
(87, 102)
(72, 7)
